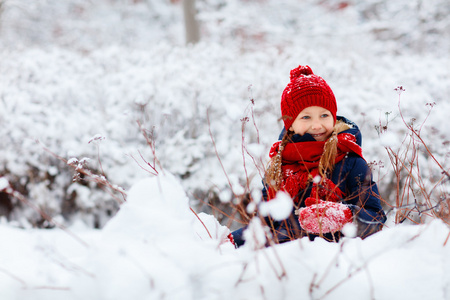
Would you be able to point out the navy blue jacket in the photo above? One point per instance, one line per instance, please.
(353, 177)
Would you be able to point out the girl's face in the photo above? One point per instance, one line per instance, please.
(315, 120)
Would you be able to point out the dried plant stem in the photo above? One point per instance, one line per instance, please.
(446, 240)
(89, 175)
(409, 180)
(15, 194)
(206, 228)
(247, 181)
(21, 281)
(149, 138)
(217, 154)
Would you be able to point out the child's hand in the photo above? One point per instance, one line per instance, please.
(323, 216)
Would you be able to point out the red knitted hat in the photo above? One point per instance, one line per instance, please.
(304, 90)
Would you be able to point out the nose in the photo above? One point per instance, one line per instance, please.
(316, 124)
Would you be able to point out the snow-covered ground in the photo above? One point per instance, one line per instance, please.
(156, 248)
(77, 76)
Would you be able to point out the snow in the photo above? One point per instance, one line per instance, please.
(77, 76)
(147, 253)
(4, 184)
(279, 208)
(349, 230)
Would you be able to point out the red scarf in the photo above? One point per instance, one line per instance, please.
(300, 165)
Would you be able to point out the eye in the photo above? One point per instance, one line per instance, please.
(305, 117)
(325, 115)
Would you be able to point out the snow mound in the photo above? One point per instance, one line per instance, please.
(157, 248)
(155, 206)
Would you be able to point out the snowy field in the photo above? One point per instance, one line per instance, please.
(78, 77)
(155, 248)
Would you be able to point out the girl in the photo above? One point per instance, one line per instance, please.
(318, 161)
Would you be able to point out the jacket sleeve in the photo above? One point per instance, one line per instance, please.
(282, 230)
(363, 196)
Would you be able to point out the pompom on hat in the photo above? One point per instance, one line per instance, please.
(305, 89)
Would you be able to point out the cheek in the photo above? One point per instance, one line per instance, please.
(330, 125)
(298, 127)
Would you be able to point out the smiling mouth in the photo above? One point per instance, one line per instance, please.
(317, 134)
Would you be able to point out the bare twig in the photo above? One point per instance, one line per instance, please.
(408, 172)
(217, 154)
(80, 168)
(252, 101)
(96, 139)
(15, 194)
(149, 138)
(16, 278)
(152, 172)
(206, 228)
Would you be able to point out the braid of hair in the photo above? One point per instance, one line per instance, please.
(328, 158)
(274, 175)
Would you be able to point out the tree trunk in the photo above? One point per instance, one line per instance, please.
(191, 24)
